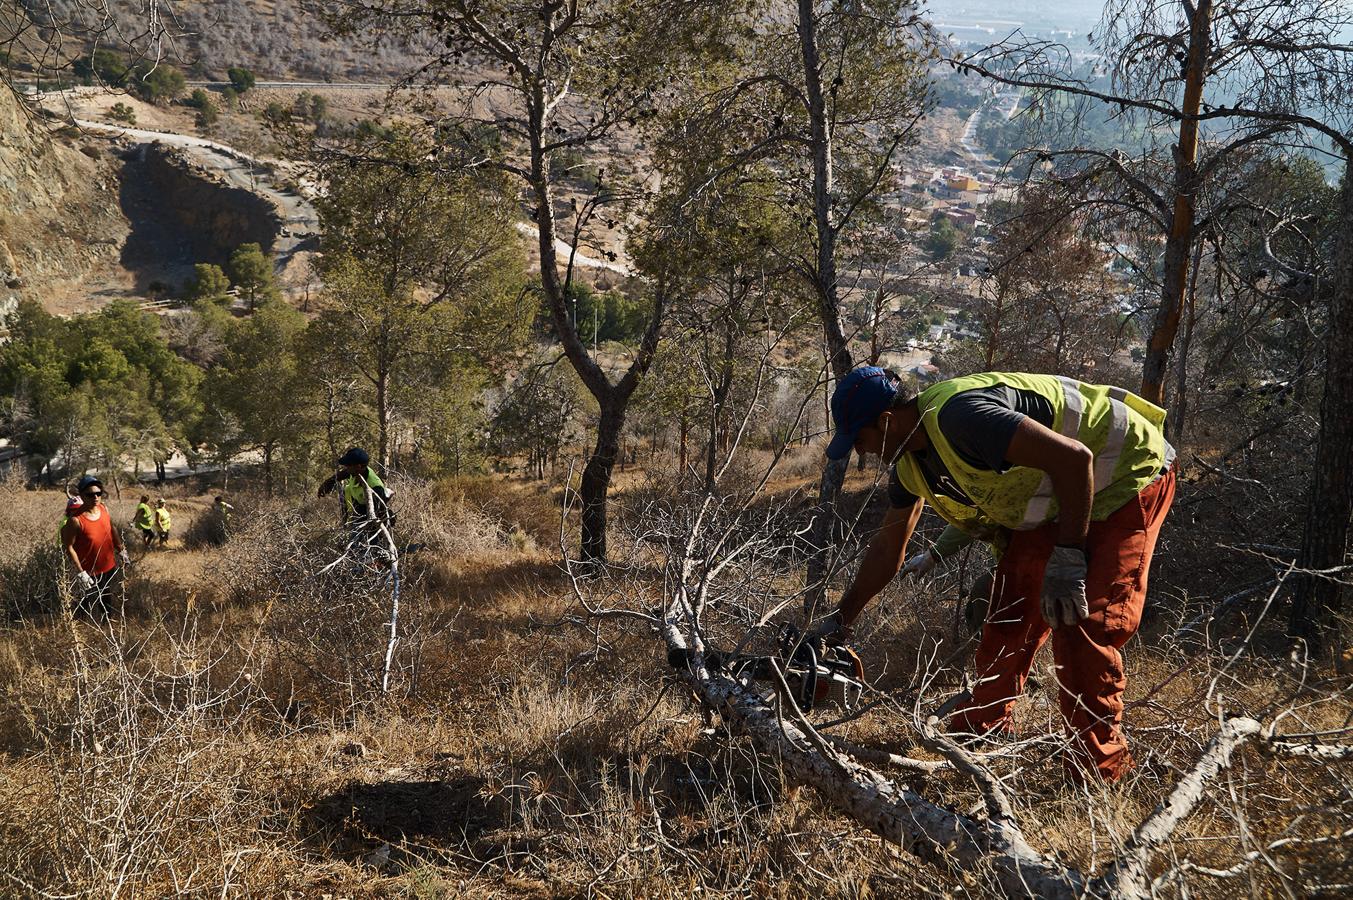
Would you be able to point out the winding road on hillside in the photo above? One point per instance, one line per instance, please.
(325, 85)
(1005, 103)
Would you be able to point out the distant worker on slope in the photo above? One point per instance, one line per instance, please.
(366, 500)
(163, 521)
(144, 521)
(73, 506)
(1075, 479)
(93, 547)
(223, 510)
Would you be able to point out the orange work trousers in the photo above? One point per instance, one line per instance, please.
(1089, 665)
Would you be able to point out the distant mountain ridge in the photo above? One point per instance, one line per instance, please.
(277, 39)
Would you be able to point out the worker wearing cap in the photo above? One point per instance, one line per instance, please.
(163, 522)
(73, 506)
(366, 500)
(144, 521)
(93, 547)
(1076, 479)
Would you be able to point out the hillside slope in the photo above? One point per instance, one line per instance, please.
(279, 39)
(61, 224)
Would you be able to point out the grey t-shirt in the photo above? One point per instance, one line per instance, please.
(979, 425)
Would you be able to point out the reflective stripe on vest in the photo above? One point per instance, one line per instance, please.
(1106, 460)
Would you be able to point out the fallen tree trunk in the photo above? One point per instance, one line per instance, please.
(992, 845)
(1130, 875)
(937, 835)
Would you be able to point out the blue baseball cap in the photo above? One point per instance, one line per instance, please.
(355, 456)
(859, 399)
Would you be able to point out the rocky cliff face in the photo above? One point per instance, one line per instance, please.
(181, 214)
(85, 219)
(61, 225)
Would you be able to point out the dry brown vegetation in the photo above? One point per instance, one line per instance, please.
(226, 733)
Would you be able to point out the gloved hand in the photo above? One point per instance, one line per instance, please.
(84, 581)
(921, 564)
(123, 558)
(1064, 601)
(326, 487)
(830, 630)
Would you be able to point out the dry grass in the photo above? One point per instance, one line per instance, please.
(227, 734)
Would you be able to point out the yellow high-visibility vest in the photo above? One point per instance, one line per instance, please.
(1122, 430)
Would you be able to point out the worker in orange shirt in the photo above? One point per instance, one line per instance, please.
(94, 548)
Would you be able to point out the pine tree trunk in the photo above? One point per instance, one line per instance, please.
(1180, 239)
(596, 482)
(683, 452)
(383, 418)
(829, 305)
(612, 399)
(1318, 601)
(1177, 420)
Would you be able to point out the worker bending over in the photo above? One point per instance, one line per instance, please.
(1072, 480)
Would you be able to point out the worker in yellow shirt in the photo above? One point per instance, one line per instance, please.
(163, 521)
(144, 521)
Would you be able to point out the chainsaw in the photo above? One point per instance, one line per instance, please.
(814, 672)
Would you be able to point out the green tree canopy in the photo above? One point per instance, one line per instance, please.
(156, 83)
(251, 271)
(256, 397)
(602, 316)
(103, 390)
(209, 283)
(105, 65)
(241, 79)
(423, 274)
(942, 240)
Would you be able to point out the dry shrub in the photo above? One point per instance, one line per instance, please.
(29, 518)
(620, 787)
(327, 614)
(532, 507)
(209, 529)
(32, 585)
(256, 546)
(140, 778)
(454, 529)
(592, 785)
(31, 566)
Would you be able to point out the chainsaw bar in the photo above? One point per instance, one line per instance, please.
(813, 673)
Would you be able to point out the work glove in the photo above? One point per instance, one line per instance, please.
(326, 487)
(123, 557)
(921, 564)
(84, 581)
(1064, 600)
